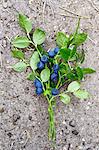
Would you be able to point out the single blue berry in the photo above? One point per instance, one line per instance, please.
(44, 58)
(40, 65)
(37, 83)
(51, 53)
(56, 50)
(54, 76)
(56, 67)
(39, 91)
(55, 91)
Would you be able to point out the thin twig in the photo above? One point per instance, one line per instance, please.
(80, 16)
(71, 16)
(44, 9)
(0, 60)
(93, 5)
(92, 40)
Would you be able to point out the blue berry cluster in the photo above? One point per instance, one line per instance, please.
(54, 75)
(41, 64)
(53, 52)
(38, 85)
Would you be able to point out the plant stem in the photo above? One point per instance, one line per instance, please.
(38, 51)
(52, 130)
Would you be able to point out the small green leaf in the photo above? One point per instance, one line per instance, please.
(39, 36)
(88, 70)
(65, 98)
(21, 42)
(72, 52)
(31, 76)
(79, 73)
(45, 75)
(72, 76)
(34, 60)
(25, 23)
(65, 53)
(73, 86)
(79, 39)
(17, 54)
(82, 94)
(19, 67)
(61, 39)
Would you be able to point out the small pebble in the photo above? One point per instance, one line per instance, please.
(72, 123)
(1, 109)
(30, 117)
(75, 132)
(9, 134)
(15, 118)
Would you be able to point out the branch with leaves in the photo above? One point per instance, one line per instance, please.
(50, 70)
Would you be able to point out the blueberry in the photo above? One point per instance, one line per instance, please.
(54, 76)
(37, 83)
(40, 65)
(39, 91)
(51, 53)
(56, 50)
(56, 71)
(56, 67)
(55, 91)
(44, 59)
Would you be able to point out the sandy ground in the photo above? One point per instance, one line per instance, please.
(23, 115)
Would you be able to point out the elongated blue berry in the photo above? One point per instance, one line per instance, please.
(39, 91)
(55, 91)
(40, 65)
(37, 83)
(54, 76)
(44, 58)
(56, 50)
(56, 67)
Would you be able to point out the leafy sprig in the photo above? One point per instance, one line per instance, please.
(51, 70)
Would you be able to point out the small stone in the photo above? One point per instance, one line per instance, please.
(15, 118)
(4, 43)
(72, 123)
(30, 117)
(1, 109)
(9, 134)
(75, 132)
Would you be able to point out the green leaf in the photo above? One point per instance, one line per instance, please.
(65, 98)
(73, 86)
(17, 54)
(61, 39)
(34, 60)
(79, 39)
(82, 94)
(21, 42)
(88, 70)
(25, 23)
(64, 69)
(72, 52)
(39, 36)
(20, 66)
(79, 73)
(45, 75)
(31, 76)
(72, 76)
(65, 53)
